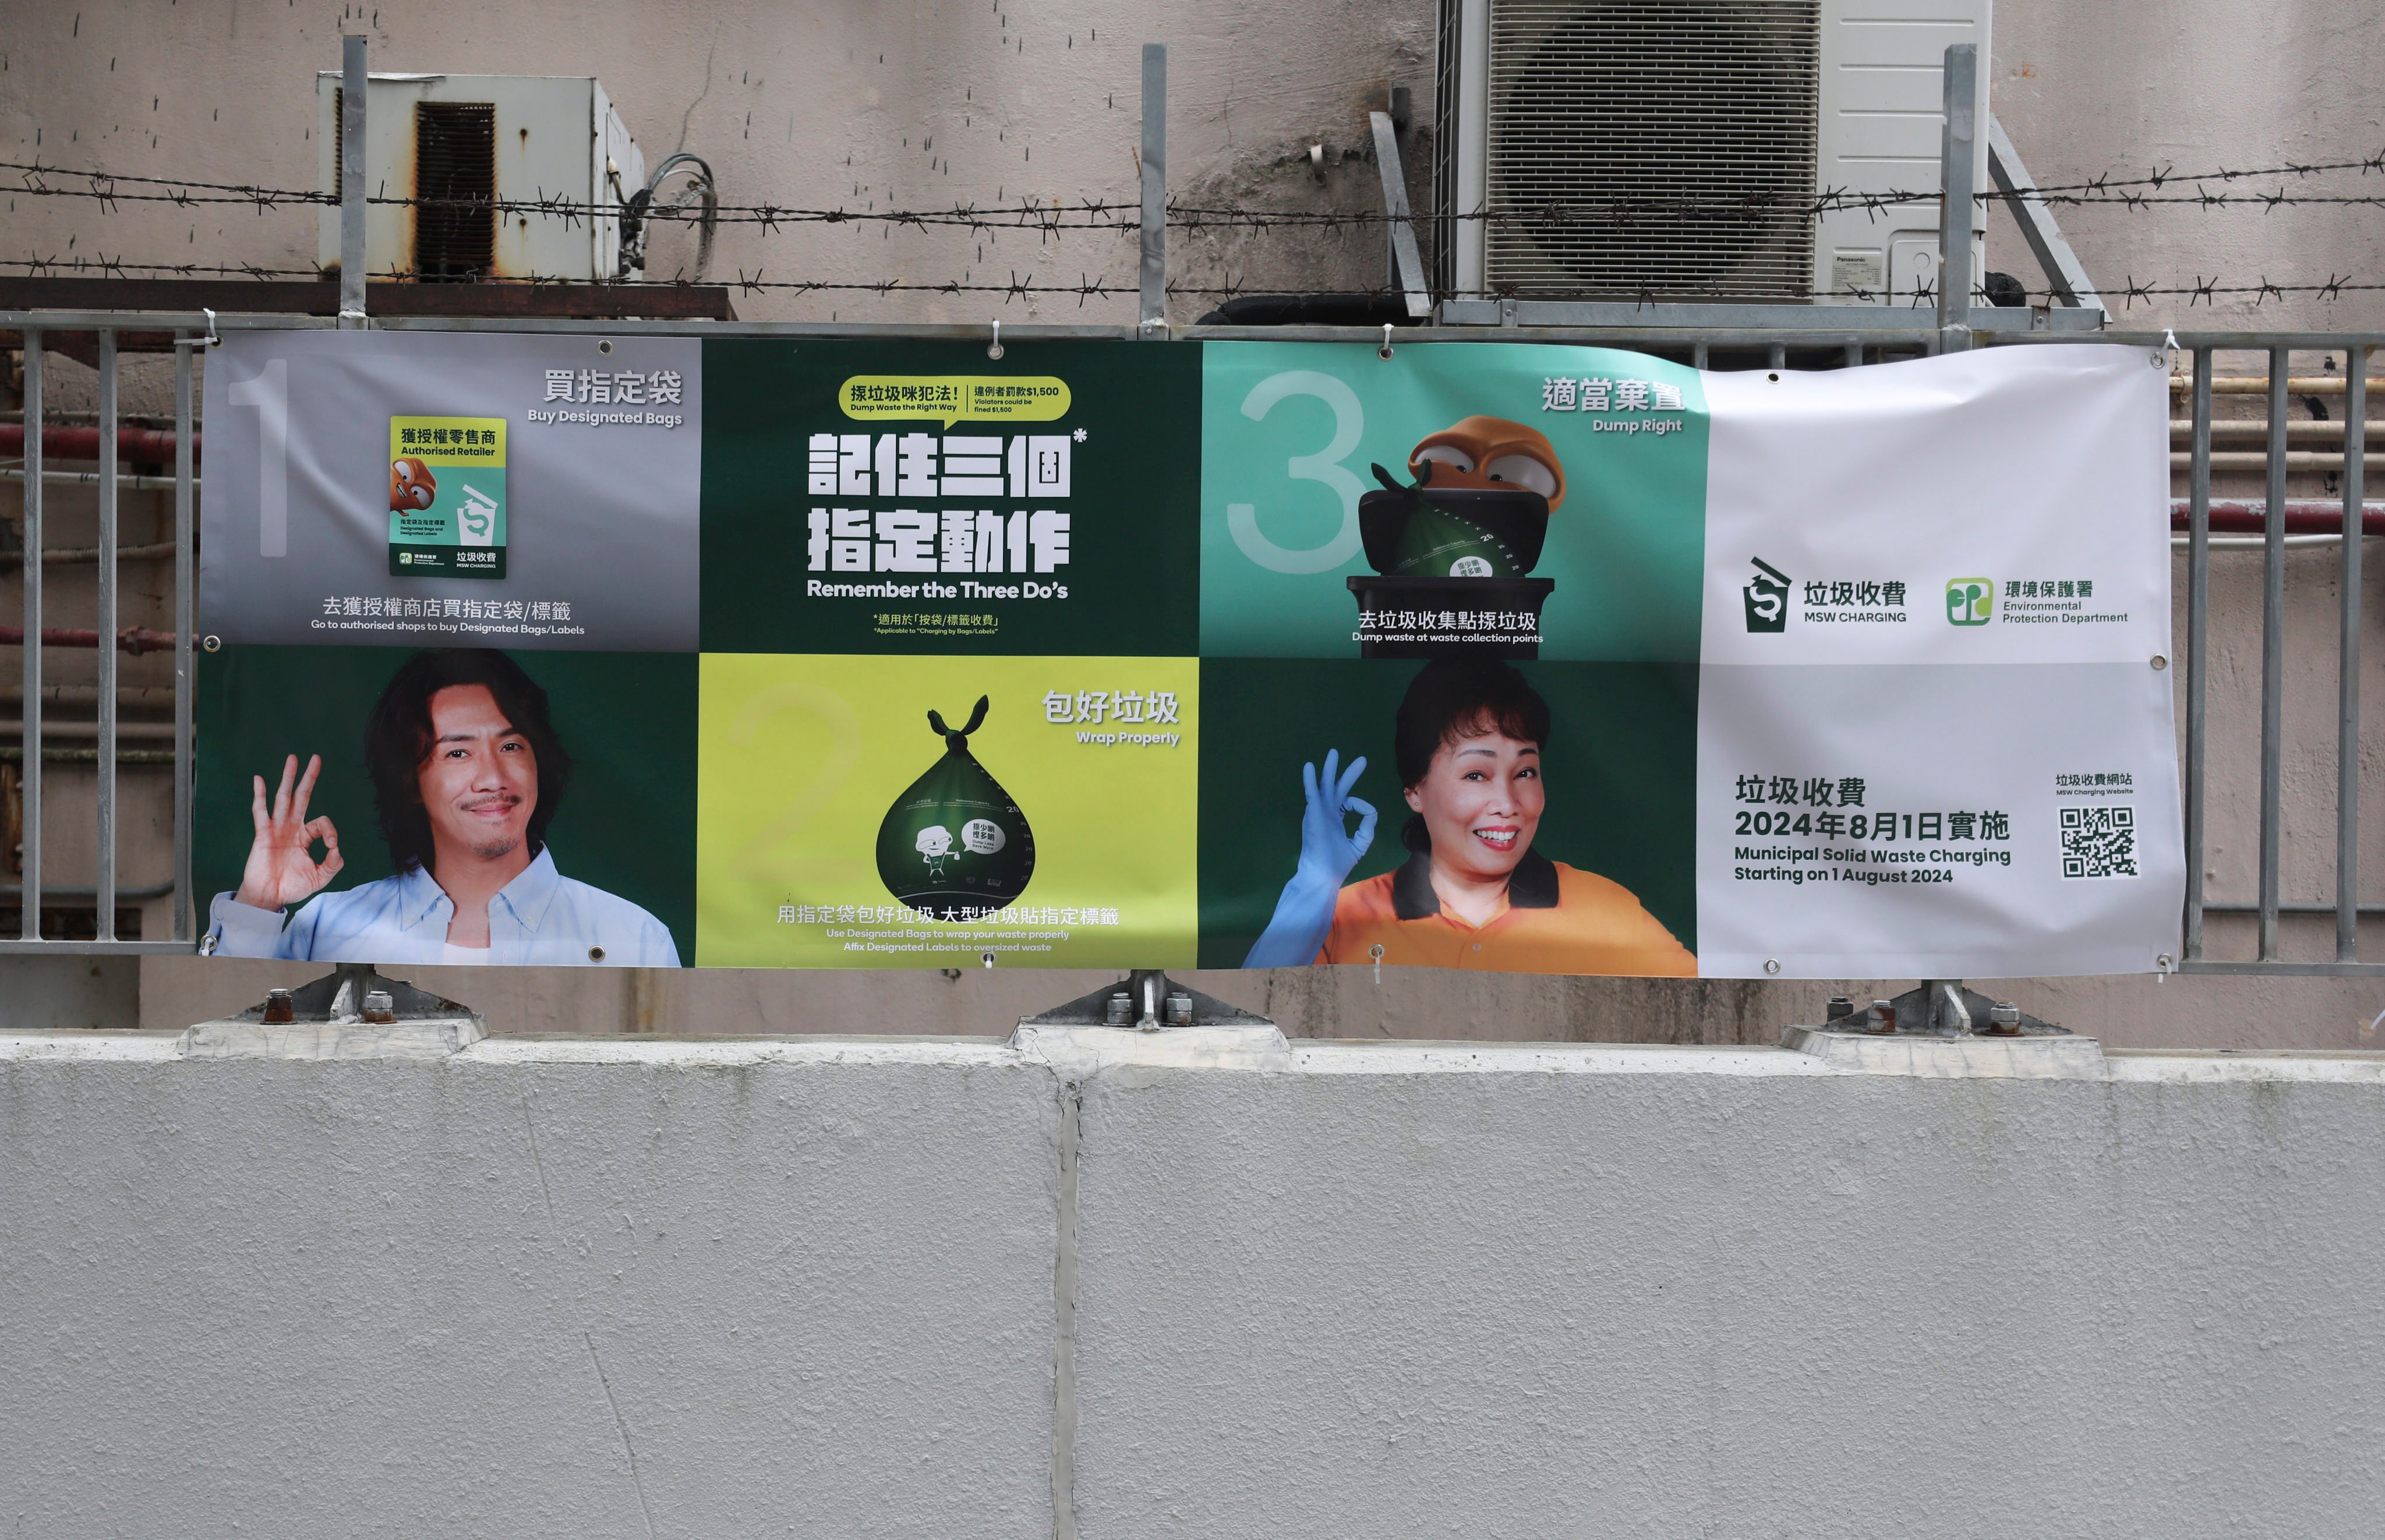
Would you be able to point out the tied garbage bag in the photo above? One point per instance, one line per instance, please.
(1442, 543)
(1428, 531)
(954, 840)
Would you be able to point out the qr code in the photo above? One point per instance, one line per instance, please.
(2099, 842)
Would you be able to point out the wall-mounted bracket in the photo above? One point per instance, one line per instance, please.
(1405, 265)
(2064, 274)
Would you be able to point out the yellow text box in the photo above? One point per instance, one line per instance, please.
(950, 398)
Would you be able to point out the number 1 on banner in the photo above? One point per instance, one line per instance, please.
(269, 392)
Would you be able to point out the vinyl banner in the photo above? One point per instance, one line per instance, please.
(1521, 656)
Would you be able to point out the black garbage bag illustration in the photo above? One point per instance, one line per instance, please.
(1454, 553)
(954, 840)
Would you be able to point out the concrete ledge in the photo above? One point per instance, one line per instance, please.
(1189, 1283)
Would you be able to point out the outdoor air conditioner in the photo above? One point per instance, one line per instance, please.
(1700, 118)
(517, 138)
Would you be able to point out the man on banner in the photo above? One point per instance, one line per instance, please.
(467, 775)
(1473, 891)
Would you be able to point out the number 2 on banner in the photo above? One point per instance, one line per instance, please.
(1349, 423)
(269, 392)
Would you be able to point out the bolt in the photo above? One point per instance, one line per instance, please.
(1839, 1009)
(1883, 1017)
(277, 1009)
(381, 1007)
(2004, 1020)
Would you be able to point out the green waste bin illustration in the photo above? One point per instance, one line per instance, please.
(1453, 552)
(955, 841)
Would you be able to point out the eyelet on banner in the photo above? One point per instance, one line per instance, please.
(604, 346)
(996, 350)
(1384, 352)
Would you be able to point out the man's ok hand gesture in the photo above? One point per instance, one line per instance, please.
(280, 871)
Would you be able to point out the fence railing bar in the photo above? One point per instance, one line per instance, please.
(2198, 630)
(31, 849)
(2273, 651)
(2347, 726)
(2275, 970)
(185, 677)
(105, 857)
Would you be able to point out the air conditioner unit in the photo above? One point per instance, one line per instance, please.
(1635, 149)
(487, 138)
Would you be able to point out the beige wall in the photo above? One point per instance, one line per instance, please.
(873, 105)
(866, 105)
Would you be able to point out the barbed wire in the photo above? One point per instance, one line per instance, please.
(2130, 291)
(1056, 215)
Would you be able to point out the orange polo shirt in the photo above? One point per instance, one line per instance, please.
(1597, 926)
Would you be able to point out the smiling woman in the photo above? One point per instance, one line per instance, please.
(1473, 891)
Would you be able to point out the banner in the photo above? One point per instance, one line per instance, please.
(1521, 656)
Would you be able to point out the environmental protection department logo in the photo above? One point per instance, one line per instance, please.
(1767, 594)
(1970, 601)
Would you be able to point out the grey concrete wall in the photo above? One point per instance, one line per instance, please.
(596, 1286)
(525, 1300)
(1686, 1304)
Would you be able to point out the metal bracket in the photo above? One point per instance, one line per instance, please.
(2064, 274)
(350, 1013)
(1149, 1001)
(1405, 264)
(1938, 1007)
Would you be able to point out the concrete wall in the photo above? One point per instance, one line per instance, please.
(908, 103)
(1199, 1284)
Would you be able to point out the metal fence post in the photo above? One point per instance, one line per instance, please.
(30, 881)
(185, 682)
(2273, 648)
(1154, 188)
(2347, 727)
(2198, 635)
(105, 859)
(353, 87)
(1957, 158)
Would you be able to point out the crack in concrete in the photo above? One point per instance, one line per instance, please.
(587, 1338)
(1063, 1323)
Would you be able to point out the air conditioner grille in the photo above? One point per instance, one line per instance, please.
(456, 172)
(1656, 147)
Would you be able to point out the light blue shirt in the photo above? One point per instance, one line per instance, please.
(540, 917)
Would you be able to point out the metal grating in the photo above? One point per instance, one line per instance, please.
(1660, 148)
(455, 166)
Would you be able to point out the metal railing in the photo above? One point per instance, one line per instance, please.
(1773, 347)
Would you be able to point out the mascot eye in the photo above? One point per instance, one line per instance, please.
(1524, 471)
(1448, 455)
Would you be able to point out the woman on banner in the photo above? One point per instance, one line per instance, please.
(1473, 891)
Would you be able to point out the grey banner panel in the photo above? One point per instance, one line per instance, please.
(603, 450)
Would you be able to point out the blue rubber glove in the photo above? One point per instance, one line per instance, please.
(1328, 850)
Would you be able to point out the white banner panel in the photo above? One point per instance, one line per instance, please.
(1935, 722)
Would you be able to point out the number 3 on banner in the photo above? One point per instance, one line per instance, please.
(269, 392)
(1349, 423)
